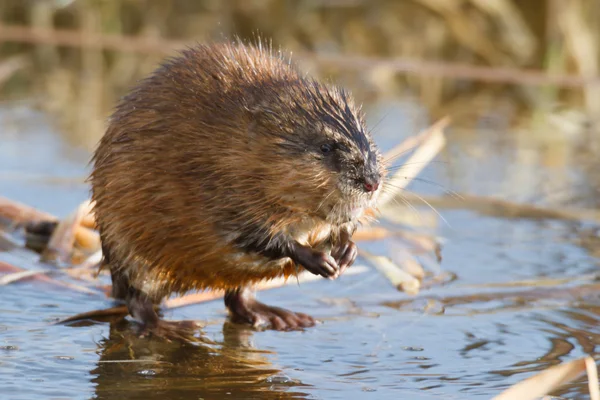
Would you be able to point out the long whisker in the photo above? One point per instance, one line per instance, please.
(400, 189)
(449, 192)
(376, 125)
(395, 156)
(405, 201)
(322, 203)
(433, 209)
(446, 191)
(397, 167)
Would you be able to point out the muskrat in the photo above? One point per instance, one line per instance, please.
(226, 167)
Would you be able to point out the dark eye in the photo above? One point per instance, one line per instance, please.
(326, 148)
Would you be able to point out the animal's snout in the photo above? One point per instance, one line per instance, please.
(371, 183)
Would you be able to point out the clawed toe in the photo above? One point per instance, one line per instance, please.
(280, 319)
(345, 255)
(244, 308)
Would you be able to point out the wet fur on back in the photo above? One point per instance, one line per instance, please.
(212, 154)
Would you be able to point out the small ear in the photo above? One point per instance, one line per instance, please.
(253, 110)
(251, 130)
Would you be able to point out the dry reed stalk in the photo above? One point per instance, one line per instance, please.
(582, 44)
(19, 274)
(521, 297)
(513, 31)
(466, 31)
(89, 220)
(92, 261)
(552, 282)
(516, 76)
(421, 242)
(60, 246)
(592, 373)
(431, 142)
(407, 274)
(133, 44)
(506, 209)
(41, 14)
(73, 38)
(553, 378)
(371, 233)
(6, 267)
(203, 297)
(303, 277)
(91, 85)
(20, 213)
(401, 279)
(86, 238)
(441, 279)
(401, 256)
(11, 66)
(194, 298)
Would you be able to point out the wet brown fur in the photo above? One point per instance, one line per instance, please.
(197, 146)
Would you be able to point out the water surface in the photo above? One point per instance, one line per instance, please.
(374, 342)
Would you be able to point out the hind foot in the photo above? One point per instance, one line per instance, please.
(143, 310)
(244, 308)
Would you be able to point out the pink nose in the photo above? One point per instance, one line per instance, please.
(371, 185)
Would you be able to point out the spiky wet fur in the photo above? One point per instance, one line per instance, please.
(214, 144)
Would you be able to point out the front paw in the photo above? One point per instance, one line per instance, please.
(345, 255)
(317, 262)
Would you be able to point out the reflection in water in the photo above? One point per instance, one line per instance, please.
(567, 329)
(134, 368)
(572, 336)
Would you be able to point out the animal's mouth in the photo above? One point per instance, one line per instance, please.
(357, 212)
(351, 205)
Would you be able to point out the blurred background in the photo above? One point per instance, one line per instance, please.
(493, 62)
(519, 80)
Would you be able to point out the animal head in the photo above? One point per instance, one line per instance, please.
(337, 168)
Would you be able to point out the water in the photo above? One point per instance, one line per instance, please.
(374, 343)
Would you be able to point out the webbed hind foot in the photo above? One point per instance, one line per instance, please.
(144, 310)
(244, 308)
